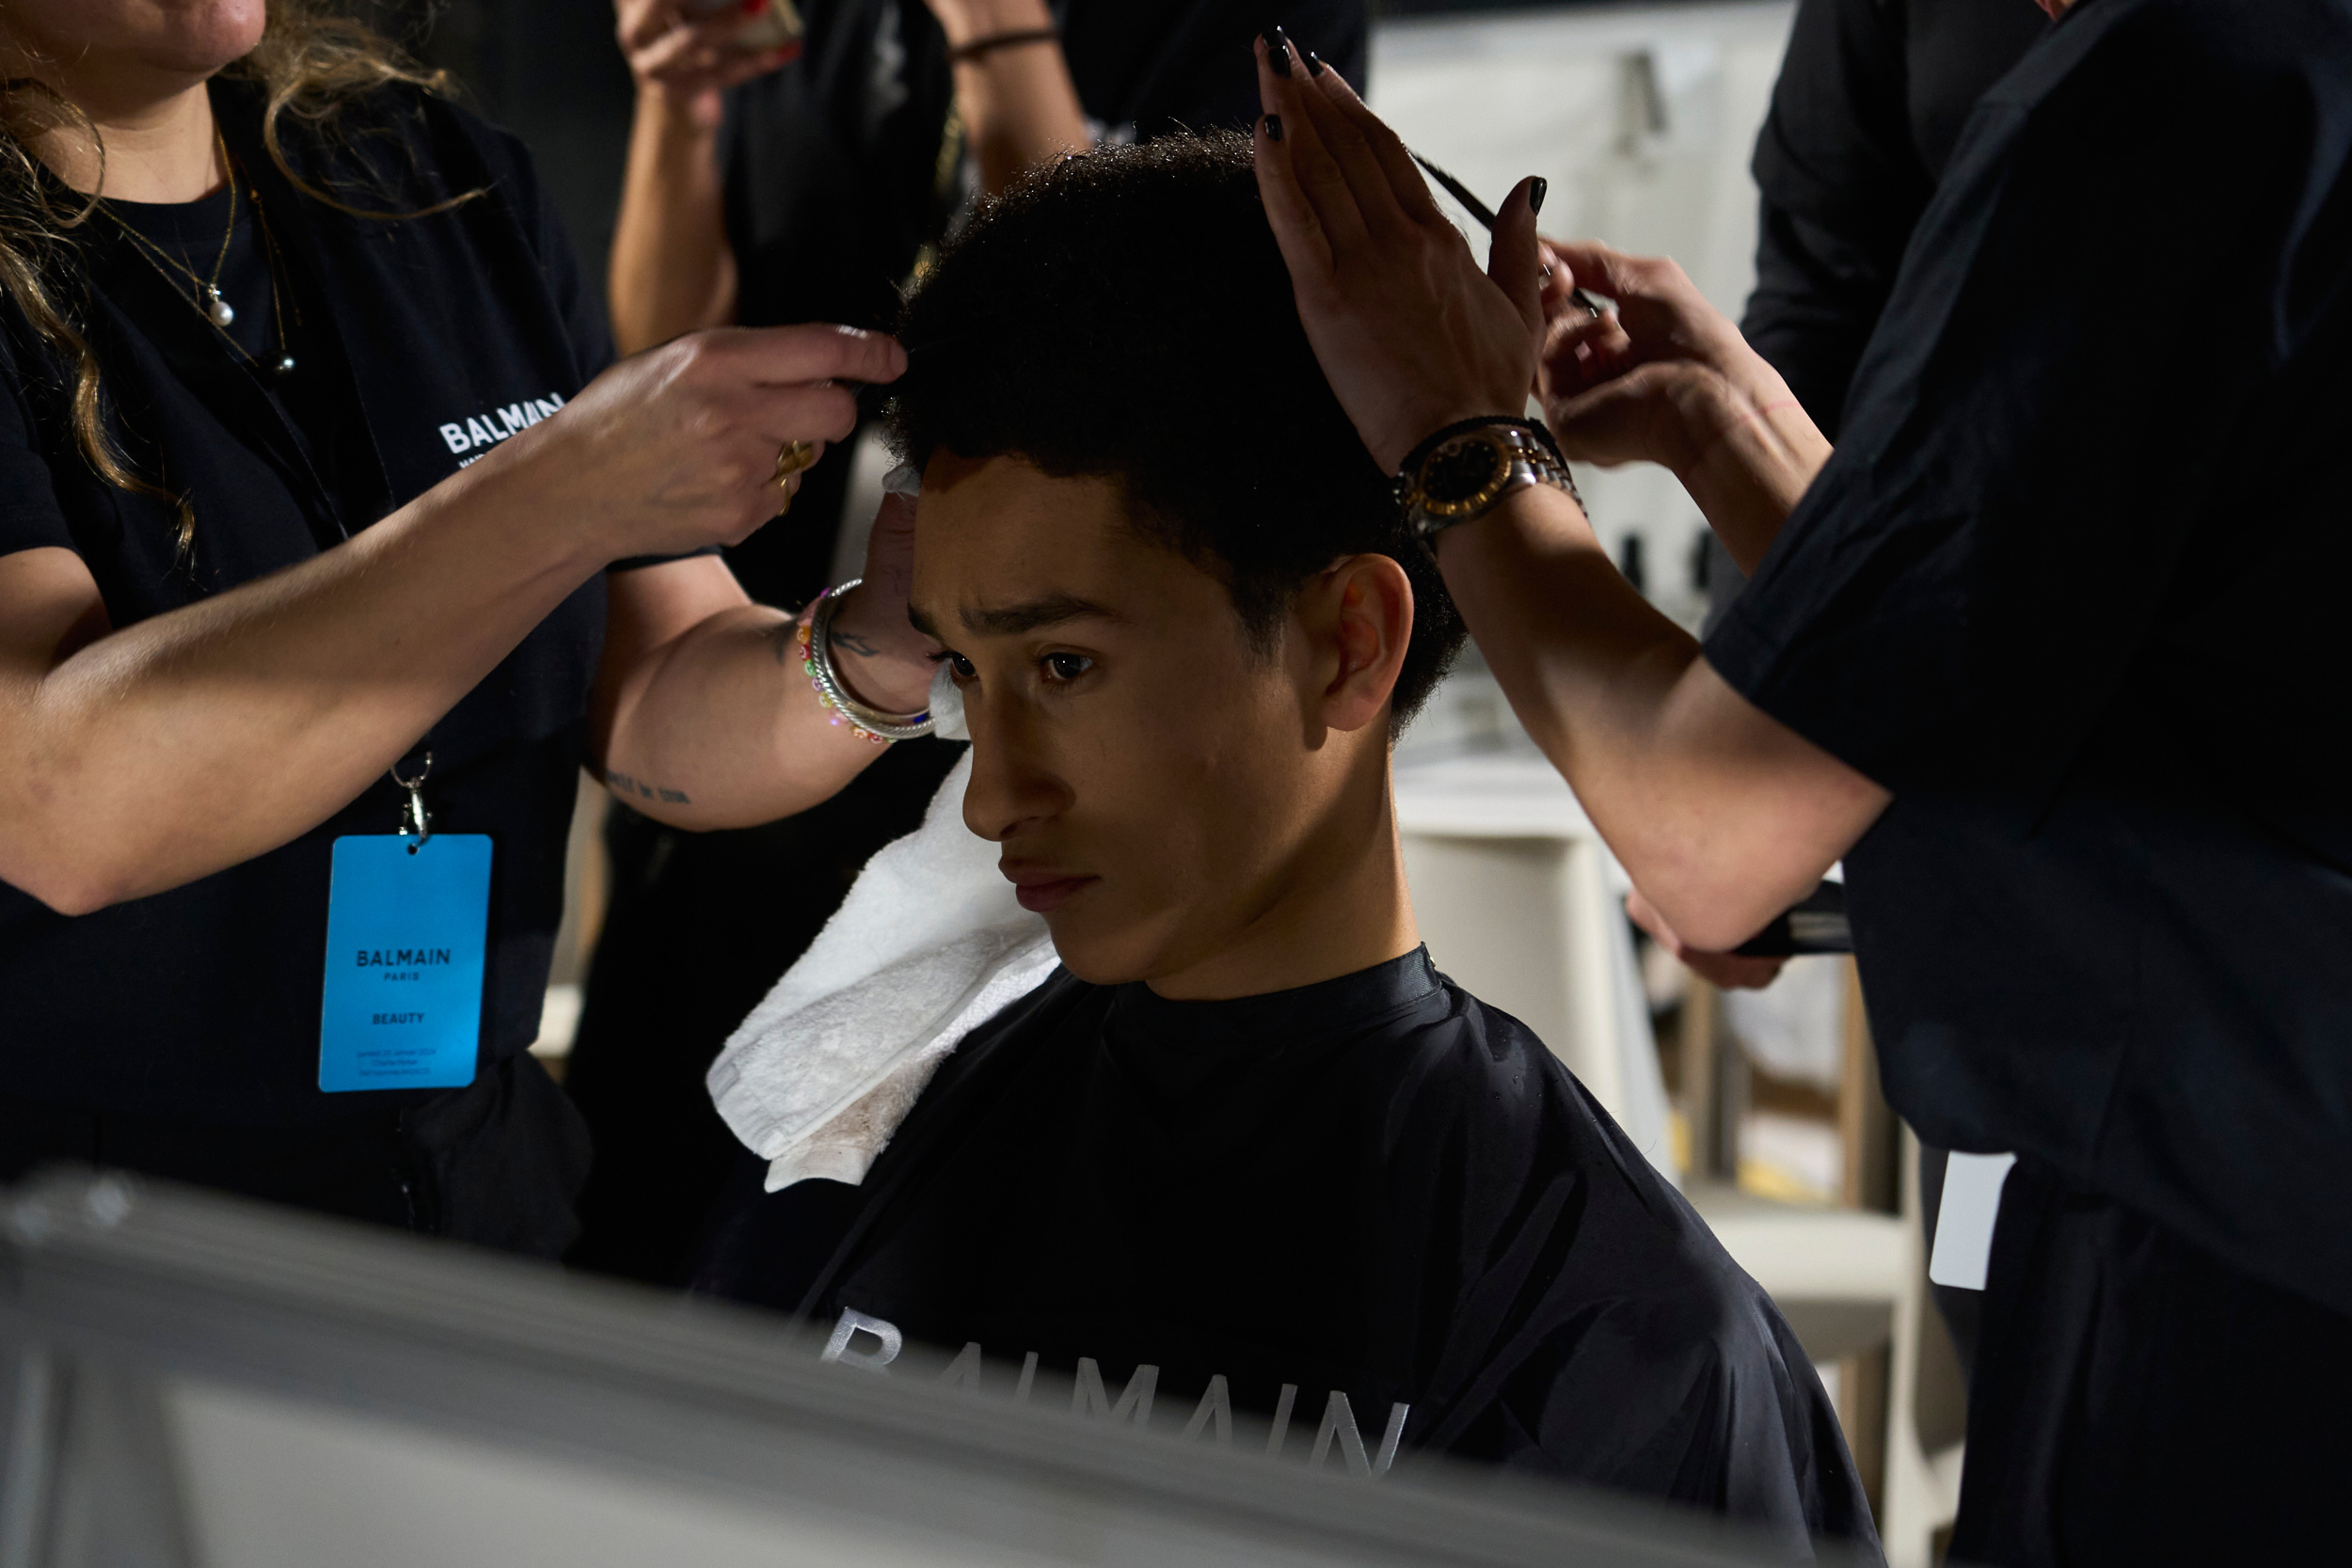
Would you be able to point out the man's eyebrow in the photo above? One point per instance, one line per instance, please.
(922, 623)
(1028, 615)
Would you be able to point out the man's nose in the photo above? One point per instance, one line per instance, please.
(1012, 784)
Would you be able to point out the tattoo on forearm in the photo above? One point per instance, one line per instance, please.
(850, 642)
(623, 783)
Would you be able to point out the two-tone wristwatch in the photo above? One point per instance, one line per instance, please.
(1458, 474)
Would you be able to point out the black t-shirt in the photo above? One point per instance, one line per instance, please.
(218, 240)
(2067, 589)
(1377, 1185)
(1871, 98)
(1869, 105)
(831, 176)
(420, 344)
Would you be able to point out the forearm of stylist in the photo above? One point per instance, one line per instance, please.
(1014, 88)
(144, 758)
(1665, 378)
(1721, 814)
(703, 715)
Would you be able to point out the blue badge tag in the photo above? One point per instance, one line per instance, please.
(405, 930)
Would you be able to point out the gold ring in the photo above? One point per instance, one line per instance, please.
(792, 458)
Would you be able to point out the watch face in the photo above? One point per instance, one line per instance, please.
(1464, 471)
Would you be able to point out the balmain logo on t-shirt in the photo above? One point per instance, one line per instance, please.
(1089, 1397)
(468, 437)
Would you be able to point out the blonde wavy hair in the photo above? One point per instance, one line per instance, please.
(310, 62)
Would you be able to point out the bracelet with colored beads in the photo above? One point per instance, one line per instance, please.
(815, 634)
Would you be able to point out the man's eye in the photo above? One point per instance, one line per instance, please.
(1063, 668)
(960, 669)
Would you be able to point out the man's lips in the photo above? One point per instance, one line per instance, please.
(1043, 888)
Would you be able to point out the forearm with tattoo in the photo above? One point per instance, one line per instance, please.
(621, 784)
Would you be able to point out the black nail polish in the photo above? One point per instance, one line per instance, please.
(1536, 194)
(1314, 62)
(1278, 50)
(1273, 127)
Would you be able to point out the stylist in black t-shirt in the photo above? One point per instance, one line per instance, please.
(2045, 650)
(1867, 112)
(761, 192)
(308, 475)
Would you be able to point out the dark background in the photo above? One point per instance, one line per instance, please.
(549, 70)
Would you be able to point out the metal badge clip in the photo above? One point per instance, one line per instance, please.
(414, 821)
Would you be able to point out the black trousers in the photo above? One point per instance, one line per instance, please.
(496, 1163)
(2138, 1401)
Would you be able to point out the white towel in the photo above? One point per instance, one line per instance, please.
(931, 944)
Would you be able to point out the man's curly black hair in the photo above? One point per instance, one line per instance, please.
(1125, 315)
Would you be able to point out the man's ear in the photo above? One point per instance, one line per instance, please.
(1358, 614)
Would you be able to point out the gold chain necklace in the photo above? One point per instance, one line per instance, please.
(217, 310)
(209, 303)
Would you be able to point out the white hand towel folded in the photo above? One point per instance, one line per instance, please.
(930, 943)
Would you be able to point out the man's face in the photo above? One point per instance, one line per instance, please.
(1156, 784)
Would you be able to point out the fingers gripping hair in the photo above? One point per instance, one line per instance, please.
(1303, 161)
(1514, 259)
(1404, 180)
(1152, 270)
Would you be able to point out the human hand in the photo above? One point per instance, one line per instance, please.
(1724, 971)
(689, 61)
(1661, 379)
(1411, 334)
(676, 449)
(878, 653)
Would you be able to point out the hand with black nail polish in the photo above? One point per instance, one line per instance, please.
(1278, 50)
(1412, 334)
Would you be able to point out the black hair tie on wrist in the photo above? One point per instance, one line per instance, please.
(1420, 454)
(964, 53)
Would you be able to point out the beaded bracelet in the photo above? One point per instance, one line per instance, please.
(814, 633)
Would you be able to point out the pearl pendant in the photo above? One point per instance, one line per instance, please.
(220, 310)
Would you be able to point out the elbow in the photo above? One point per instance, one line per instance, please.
(74, 900)
(1717, 889)
(69, 890)
(40, 861)
(1715, 913)
(1717, 927)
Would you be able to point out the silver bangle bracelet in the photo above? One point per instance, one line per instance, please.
(817, 660)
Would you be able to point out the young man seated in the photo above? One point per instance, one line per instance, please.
(1247, 1132)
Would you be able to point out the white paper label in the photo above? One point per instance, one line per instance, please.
(1963, 1222)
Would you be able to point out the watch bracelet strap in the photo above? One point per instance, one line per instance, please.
(1527, 469)
(1535, 459)
(1430, 443)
